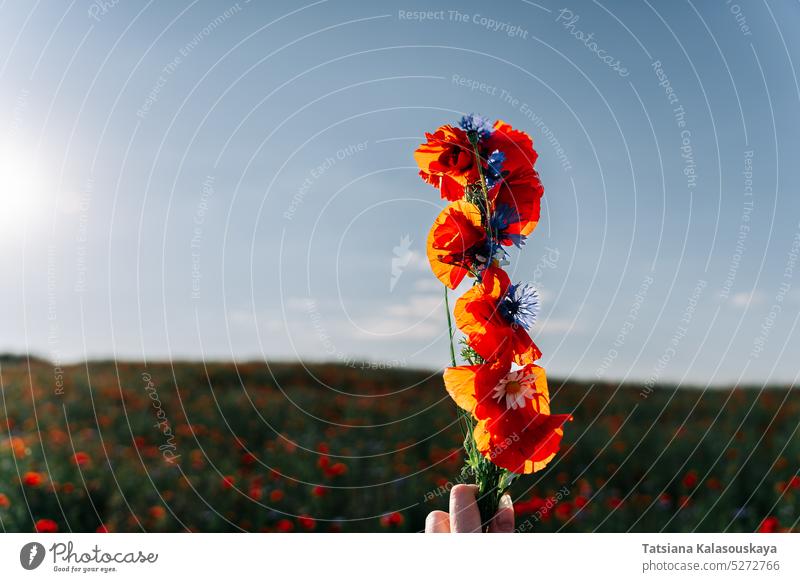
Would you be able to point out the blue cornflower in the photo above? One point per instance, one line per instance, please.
(520, 305)
(491, 252)
(494, 168)
(502, 218)
(477, 124)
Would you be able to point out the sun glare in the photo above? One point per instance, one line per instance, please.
(21, 190)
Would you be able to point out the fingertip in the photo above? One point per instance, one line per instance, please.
(464, 514)
(437, 522)
(503, 520)
(463, 493)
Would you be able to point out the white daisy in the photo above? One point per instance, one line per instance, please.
(517, 388)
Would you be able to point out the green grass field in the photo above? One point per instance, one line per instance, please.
(218, 447)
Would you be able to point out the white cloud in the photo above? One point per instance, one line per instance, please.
(744, 299)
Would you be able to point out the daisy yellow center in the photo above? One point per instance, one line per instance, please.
(516, 389)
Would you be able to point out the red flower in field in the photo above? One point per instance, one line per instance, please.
(228, 481)
(284, 526)
(532, 505)
(563, 510)
(81, 459)
(794, 482)
(5, 502)
(770, 525)
(515, 428)
(308, 523)
(336, 469)
(46, 526)
(393, 519)
(713, 483)
(319, 491)
(323, 462)
(690, 479)
(256, 493)
(68, 487)
(684, 501)
(447, 161)
(615, 503)
(495, 315)
(457, 243)
(276, 495)
(18, 446)
(157, 512)
(248, 458)
(32, 479)
(581, 502)
(102, 528)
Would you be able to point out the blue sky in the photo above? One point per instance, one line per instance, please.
(223, 180)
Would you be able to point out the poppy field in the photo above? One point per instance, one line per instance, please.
(130, 447)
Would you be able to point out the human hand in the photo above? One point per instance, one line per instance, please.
(464, 516)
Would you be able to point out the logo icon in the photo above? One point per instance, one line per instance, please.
(31, 555)
(401, 256)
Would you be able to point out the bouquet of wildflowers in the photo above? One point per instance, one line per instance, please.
(487, 174)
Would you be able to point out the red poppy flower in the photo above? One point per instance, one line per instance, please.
(32, 479)
(564, 510)
(336, 469)
(447, 161)
(515, 429)
(516, 145)
(46, 526)
(228, 482)
(392, 519)
(284, 526)
(102, 528)
(457, 243)
(690, 479)
(276, 495)
(770, 525)
(156, 512)
(494, 319)
(81, 458)
(520, 189)
(522, 195)
(531, 505)
(5, 503)
(307, 522)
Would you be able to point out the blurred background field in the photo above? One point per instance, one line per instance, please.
(323, 447)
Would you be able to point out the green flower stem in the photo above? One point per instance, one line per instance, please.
(449, 327)
(473, 139)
